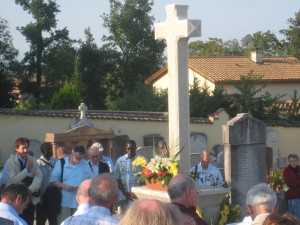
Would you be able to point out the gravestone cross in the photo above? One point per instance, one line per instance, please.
(82, 108)
(177, 30)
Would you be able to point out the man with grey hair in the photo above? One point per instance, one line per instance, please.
(183, 193)
(261, 200)
(103, 192)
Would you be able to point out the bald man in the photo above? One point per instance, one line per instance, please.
(96, 165)
(205, 173)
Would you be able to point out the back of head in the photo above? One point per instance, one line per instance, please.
(103, 189)
(13, 190)
(151, 212)
(82, 191)
(286, 219)
(262, 195)
(179, 184)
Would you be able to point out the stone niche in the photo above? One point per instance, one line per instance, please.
(84, 135)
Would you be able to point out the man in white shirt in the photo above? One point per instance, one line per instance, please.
(103, 158)
(205, 173)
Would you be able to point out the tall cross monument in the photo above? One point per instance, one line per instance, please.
(177, 30)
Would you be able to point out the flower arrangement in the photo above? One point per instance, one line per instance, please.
(275, 180)
(158, 169)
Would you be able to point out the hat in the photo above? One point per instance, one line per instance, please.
(99, 146)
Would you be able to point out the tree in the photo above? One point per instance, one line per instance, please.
(142, 98)
(40, 34)
(248, 99)
(293, 36)
(66, 98)
(93, 64)
(204, 102)
(215, 47)
(8, 65)
(268, 43)
(132, 37)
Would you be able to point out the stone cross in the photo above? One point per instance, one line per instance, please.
(177, 30)
(82, 108)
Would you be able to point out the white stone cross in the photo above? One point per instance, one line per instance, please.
(177, 30)
(82, 108)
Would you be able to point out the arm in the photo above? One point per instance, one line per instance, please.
(36, 174)
(13, 171)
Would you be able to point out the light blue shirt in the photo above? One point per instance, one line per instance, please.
(73, 175)
(4, 177)
(210, 176)
(124, 171)
(96, 215)
(82, 209)
(109, 162)
(8, 212)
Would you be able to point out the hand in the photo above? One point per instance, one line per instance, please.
(28, 165)
(131, 196)
(69, 188)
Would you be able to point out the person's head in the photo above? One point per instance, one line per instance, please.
(61, 152)
(205, 159)
(130, 148)
(46, 149)
(82, 196)
(103, 190)
(293, 160)
(17, 195)
(260, 199)
(78, 153)
(100, 148)
(93, 154)
(162, 147)
(183, 189)
(22, 146)
(286, 219)
(151, 212)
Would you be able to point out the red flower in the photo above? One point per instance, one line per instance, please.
(147, 173)
(161, 174)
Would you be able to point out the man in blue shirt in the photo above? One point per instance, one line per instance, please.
(124, 172)
(15, 199)
(75, 170)
(103, 192)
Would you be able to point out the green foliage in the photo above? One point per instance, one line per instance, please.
(275, 180)
(292, 35)
(142, 98)
(40, 34)
(293, 108)
(228, 212)
(131, 34)
(8, 63)
(268, 43)
(204, 102)
(249, 100)
(66, 98)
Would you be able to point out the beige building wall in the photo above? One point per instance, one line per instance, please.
(283, 88)
(36, 127)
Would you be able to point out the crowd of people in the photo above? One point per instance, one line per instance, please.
(83, 187)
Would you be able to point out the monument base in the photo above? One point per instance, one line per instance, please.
(209, 200)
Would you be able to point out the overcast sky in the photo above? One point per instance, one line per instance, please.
(226, 19)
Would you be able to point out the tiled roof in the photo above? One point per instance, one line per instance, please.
(101, 114)
(228, 68)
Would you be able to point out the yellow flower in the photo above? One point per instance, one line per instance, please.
(139, 161)
(174, 168)
(198, 212)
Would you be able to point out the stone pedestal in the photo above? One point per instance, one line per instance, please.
(208, 202)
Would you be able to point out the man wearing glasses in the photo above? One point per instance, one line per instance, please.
(97, 167)
(183, 193)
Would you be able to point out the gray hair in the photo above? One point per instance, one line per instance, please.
(179, 184)
(261, 194)
(103, 188)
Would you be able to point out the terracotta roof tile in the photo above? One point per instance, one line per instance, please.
(225, 68)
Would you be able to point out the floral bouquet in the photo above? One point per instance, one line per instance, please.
(158, 169)
(275, 180)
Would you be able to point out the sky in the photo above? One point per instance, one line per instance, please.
(226, 19)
